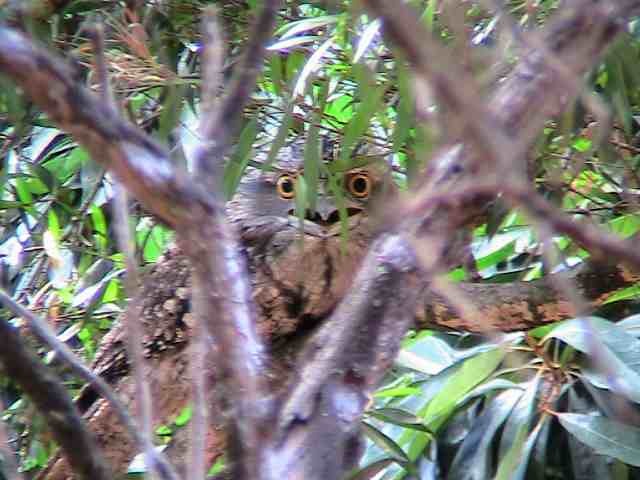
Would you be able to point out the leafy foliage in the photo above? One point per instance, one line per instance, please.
(455, 405)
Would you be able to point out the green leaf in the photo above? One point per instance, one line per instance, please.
(338, 195)
(99, 227)
(53, 224)
(613, 347)
(429, 14)
(605, 436)
(218, 467)
(398, 416)
(366, 39)
(312, 150)
(171, 111)
(275, 69)
(386, 443)
(25, 196)
(184, 416)
(340, 108)
(472, 372)
(397, 392)
(240, 159)
(359, 124)
(293, 42)
(291, 29)
(496, 256)
(473, 458)
(281, 135)
(65, 165)
(301, 193)
(44, 176)
(625, 225)
(371, 470)
(164, 430)
(510, 463)
(628, 293)
(88, 342)
(312, 162)
(631, 325)
(295, 61)
(429, 355)
(310, 66)
(582, 144)
(154, 241)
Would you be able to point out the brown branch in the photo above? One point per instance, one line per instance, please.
(222, 292)
(43, 332)
(343, 363)
(219, 125)
(140, 163)
(223, 297)
(54, 404)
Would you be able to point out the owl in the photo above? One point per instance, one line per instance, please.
(299, 272)
(301, 268)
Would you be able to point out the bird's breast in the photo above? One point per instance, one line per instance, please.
(301, 278)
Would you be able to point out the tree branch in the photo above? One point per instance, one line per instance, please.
(52, 401)
(343, 363)
(218, 125)
(43, 332)
(222, 292)
(140, 163)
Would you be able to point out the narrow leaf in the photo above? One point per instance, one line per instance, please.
(605, 436)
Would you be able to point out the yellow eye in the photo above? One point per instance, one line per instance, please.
(286, 186)
(359, 185)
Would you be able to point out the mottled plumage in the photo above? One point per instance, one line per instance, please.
(300, 271)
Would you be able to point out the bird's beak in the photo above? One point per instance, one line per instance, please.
(326, 209)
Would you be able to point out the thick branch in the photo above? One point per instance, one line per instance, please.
(53, 402)
(223, 298)
(343, 363)
(43, 332)
(141, 164)
(223, 295)
(520, 306)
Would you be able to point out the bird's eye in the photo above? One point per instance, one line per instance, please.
(359, 185)
(286, 186)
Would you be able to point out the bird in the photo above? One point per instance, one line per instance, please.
(301, 265)
(301, 262)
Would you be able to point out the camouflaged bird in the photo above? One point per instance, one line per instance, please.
(300, 268)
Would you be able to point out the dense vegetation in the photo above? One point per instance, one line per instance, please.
(557, 401)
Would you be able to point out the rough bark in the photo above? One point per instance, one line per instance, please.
(166, 294)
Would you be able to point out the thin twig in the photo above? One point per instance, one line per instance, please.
(42, 331)
(101, 69)
(132, 324)
(52, 401)
(219, 125)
